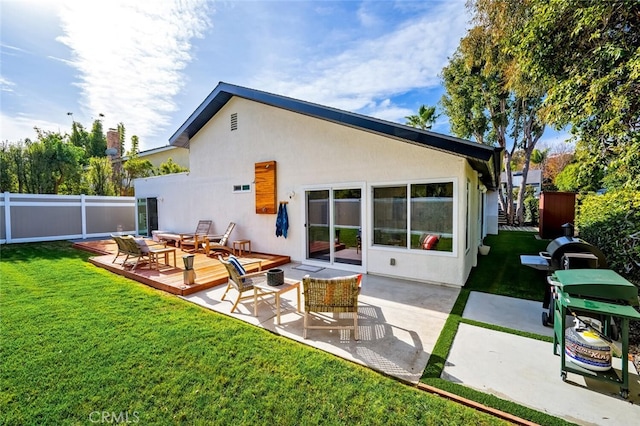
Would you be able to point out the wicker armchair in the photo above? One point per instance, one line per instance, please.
(334, 295)
(239, 279)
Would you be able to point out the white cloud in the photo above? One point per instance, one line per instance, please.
(17, 128)
(410, 56)
(6, 85)
(130, 57)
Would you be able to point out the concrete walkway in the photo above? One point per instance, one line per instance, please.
(399, 321)
(525, 370)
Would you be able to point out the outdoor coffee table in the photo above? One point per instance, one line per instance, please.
(262, 288)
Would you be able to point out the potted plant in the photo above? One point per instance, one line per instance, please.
(484, 250)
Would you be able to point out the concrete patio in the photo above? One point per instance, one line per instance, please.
(399, 321)
(526, 371)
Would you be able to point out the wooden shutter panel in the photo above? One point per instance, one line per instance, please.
(265, 177)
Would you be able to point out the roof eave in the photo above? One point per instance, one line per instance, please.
(481, 157)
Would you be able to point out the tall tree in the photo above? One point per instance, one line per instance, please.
(79, 137)
(99, 176)
(588, 55)
(489, 98)
(425, 118)
(97, 141)
(8, 180)
(134, 145)
(121, 137)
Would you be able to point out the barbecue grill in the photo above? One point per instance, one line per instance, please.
(566, 253)
(563, 253)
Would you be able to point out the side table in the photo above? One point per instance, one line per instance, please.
(240, 247)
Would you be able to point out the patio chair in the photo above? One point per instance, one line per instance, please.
(239, 279)
(122, 247)
(133, 250)
(213, 244)
(331, 295)
(193, 242)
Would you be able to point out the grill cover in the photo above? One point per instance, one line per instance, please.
(563, 245)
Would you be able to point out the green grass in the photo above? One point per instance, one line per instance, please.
(78, 342)
(499, 272)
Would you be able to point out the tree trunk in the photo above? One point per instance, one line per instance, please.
(509, 188)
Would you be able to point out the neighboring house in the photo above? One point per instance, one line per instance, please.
(362, 194)
(534, 179)
(157, 156)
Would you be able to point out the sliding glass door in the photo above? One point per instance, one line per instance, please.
(318, 225)
(334, 225)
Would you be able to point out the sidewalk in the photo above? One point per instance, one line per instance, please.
(526, 371)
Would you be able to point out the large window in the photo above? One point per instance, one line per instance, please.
(416, 216)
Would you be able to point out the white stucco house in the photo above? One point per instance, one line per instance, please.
(362, 194)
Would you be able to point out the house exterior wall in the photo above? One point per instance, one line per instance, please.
(180, 156)
(311, 154)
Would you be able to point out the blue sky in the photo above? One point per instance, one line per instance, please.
(150, 63)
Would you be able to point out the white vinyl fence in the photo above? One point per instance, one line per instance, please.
(34, 217)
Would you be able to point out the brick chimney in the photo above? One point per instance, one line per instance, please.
(113, 141)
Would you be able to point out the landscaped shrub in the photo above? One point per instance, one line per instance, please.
(611, 222)
(531, 212)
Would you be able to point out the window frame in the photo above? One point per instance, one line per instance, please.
(407, 247)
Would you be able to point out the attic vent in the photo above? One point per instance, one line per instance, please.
(234, 121)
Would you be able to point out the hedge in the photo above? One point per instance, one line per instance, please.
(611, 222)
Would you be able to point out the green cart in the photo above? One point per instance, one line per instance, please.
(598, 293)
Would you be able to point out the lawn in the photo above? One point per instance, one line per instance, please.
(500, 272)
(80, 345)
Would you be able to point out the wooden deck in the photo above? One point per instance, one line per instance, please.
(209, 271)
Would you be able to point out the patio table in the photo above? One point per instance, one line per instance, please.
(262, 288)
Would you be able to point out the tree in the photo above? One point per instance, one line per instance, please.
(121, 138)
(97, 141)
(99, 176)
(48, 165)
(567, 179)
(8, 181)
(557, 160)
(134, 168)
(79, 137)
(425, 119)
(64, 161)
(134, 145)
(588, 55)
(488, 98)
(169, 167)
(539, 157)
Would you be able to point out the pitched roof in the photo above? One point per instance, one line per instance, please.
(484, 159)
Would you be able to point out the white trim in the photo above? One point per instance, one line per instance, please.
(83, 215)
